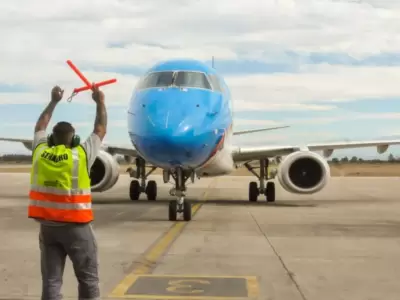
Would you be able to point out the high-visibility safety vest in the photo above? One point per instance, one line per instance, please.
(60, 185)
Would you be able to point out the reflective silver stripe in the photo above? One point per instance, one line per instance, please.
(56, 191)
(35, 159)
(56, 205)
(75, 169)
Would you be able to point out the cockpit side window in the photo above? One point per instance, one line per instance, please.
(157, 79)
(192, 80)
(215, 83)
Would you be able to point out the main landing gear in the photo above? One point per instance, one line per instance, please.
(175, 206)
(137, 188)
(254, 190)
(179, 205)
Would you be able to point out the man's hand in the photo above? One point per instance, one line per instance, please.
(56, 94)
(97, 95)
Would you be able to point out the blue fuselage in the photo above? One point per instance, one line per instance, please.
(178, 114)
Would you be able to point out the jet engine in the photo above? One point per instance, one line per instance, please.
(104, 173)
(303, 172)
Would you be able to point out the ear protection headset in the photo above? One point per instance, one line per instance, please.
(76, 140)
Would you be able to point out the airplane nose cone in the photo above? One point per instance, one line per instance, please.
(173, 128)
(178, 140)
(170, 124)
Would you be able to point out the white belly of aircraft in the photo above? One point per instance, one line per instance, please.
(220, 164)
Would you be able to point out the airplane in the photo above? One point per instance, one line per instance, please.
(180, 120)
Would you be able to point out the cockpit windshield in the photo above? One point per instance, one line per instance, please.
(178, 78)
(157, 79)
(192, 79)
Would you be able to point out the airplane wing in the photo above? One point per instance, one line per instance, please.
(258, 130)
(112, 149)
(26, 142)
(122, 150)
(259, 152)
(243, 153)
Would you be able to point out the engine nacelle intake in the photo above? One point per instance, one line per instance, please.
(303, 172)
(104, 173)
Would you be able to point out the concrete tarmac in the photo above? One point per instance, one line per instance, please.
(341, 243)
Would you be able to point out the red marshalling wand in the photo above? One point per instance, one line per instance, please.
(88, 86)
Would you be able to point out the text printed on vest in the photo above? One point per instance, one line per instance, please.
(54, 158)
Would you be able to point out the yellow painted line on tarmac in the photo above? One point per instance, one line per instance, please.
(160, 297)
(153, 255)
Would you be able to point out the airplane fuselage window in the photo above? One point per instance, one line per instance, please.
(179, 79)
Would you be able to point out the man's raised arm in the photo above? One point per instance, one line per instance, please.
(100, 123)
(92, 145)
(45, 116)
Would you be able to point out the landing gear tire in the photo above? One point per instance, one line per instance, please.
(179, 190)
(253, 191)
(136, 187)
(270, 192)
(173, 210)
(187, 211)
(134, 190)
(151, 190)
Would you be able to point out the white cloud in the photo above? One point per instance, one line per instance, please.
(349, 116)
(82, 28)
(266, 105)
(253, 123)
(323, 83)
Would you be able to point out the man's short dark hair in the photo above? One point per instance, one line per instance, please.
(63, 133)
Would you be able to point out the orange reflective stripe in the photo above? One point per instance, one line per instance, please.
(60, 198)
(61, 215)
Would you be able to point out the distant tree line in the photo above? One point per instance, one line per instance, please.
(16, 158)
(390, 159)
(23, 158)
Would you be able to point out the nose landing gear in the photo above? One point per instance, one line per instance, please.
(179, 205)
(137, 188)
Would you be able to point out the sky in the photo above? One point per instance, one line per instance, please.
(330, 69)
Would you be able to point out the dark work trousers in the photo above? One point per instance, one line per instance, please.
(77, 241)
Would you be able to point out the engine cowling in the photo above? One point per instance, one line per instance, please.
(104, 173)
(303, 172)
